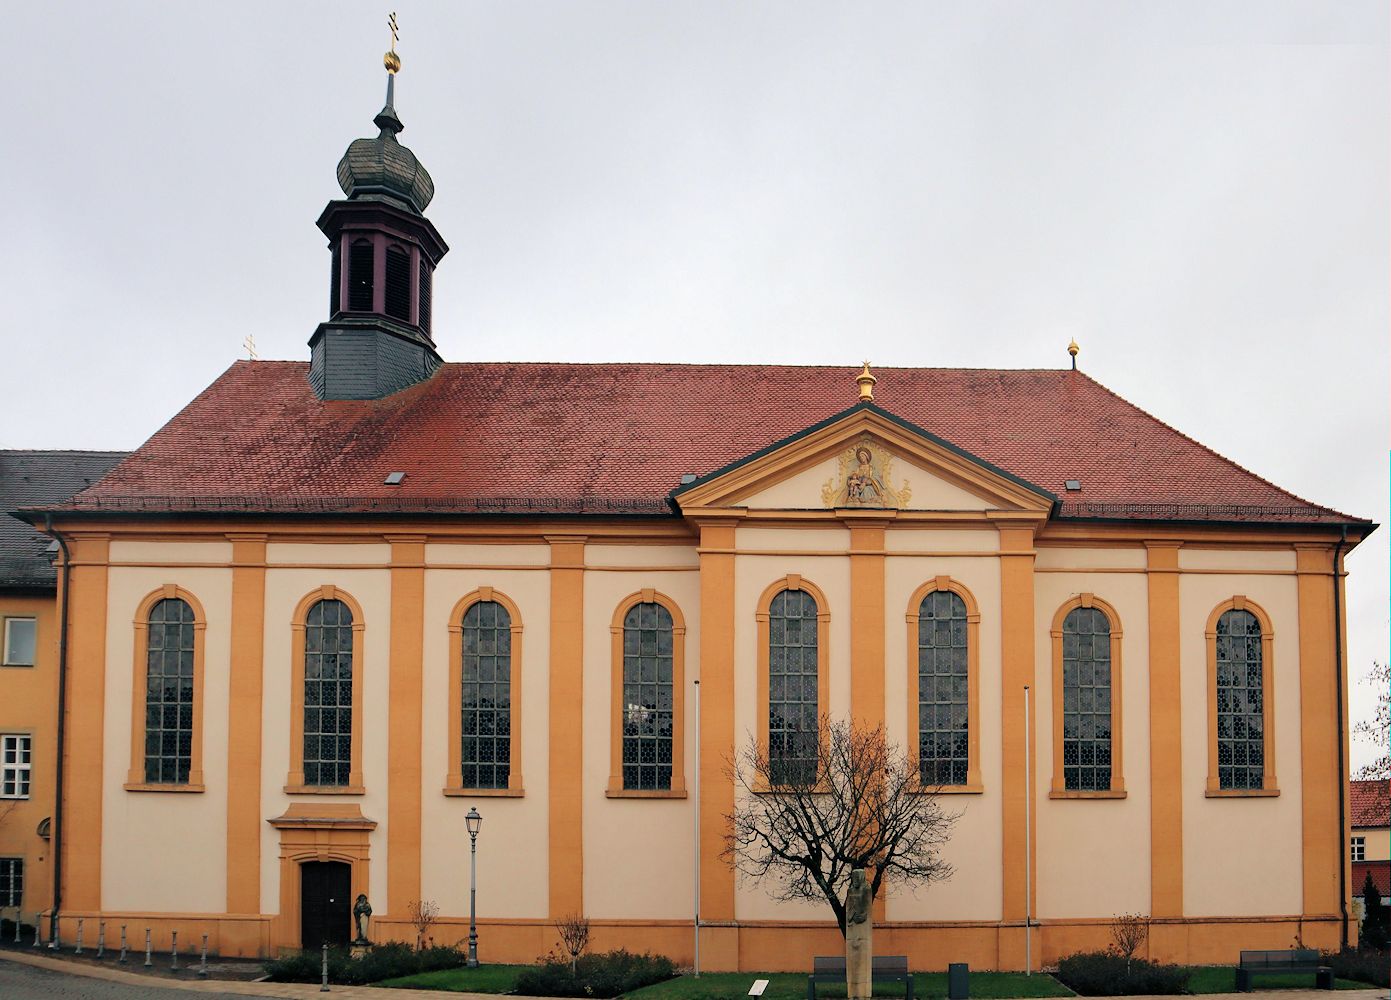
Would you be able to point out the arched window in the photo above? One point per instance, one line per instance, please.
(1241, 738)
(794, 688)
(166, 732)
(362, 262)
(943, 690)
(647, 697)
(328, 694)
(169, 684)
(486, 696)
(335, 279)
(398, 283)
(1086, 700)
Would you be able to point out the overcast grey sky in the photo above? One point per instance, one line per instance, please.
(1196, 191)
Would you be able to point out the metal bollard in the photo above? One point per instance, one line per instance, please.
(203, 966)
(122, 959)
(101, 939)
(38, 927)
(174, 950)
(79, 937)
(148, 962)
(55, 931)
(18, 919)
(323, 986)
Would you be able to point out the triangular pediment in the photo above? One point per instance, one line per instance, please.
(864, 458)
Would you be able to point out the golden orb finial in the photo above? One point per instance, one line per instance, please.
(866, 383)
(1072, 349)
(391, 60)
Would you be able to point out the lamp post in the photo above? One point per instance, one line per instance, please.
(474, 822)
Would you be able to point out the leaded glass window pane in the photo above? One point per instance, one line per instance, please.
(648, 697)
(943, 754)
(487, 696)
(1240, 701)
(11, 882)
(793, 677)
(1086, 700)
(328, 694)
(169, 692)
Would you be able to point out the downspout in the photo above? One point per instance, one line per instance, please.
(1342, 763)
(57, 844)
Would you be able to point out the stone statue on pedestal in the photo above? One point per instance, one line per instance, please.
(362, 910)
(859, 928)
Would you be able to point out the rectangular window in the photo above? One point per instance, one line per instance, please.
(11, 882)
(14, 766)
(19, 642)
(1359, 849)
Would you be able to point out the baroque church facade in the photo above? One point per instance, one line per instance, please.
(332, 606)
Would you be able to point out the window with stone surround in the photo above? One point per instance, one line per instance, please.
(486, 696)
(794, 688)
(15, 752)
(328, 694)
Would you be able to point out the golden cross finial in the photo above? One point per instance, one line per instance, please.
(250, 344)
(866, 382)
(391, 59)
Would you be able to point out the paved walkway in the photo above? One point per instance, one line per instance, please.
(42, 983)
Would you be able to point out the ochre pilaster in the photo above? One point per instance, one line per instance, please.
(406, 712)
(244, 723)
(1322, 784)
(1166, 736)
(566, 813)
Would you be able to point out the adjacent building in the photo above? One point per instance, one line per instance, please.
(1370, 845)
(334, 605)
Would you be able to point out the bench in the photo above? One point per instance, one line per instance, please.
(884, 969)
(1289, 960)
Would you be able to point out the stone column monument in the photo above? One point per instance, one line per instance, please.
(859, 929)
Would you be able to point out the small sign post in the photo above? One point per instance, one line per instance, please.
(759, 985)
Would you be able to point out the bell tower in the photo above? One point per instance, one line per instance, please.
(383, 254)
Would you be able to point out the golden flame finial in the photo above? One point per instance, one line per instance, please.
(391, 60)
(866, 383)
(1072, 349)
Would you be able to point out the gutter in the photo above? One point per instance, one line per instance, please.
(62, 720)
(1339, 693)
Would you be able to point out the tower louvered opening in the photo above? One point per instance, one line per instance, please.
(361, 262)
(335, 278)
(398, 284)
(424, 295)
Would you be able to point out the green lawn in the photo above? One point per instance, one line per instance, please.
(484, 979)
(1222, 979)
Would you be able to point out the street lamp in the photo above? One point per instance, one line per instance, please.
(474, 822)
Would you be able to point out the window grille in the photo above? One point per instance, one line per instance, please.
(335, 280)
(1240, 702)
(792, 688)
(169, 692)
(11, 882)
(19, 642)
(647, 697)
(361, 264)
(328, 694)
(1359, 849)
(1086, 700)
(423, 310)
(14, 766)
(487, 696)
(943, 754)
(398, 284)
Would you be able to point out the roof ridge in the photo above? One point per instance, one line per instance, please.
(65, 451)
(1213, 452)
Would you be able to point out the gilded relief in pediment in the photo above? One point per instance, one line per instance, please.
(865, 479)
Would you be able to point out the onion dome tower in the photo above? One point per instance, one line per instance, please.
(384, 253)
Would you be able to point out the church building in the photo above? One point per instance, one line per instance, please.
(337, 603)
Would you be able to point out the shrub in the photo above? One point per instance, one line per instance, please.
(605, 975)
(382, 961)
(1376, 922)
(1103, 973)
(1367, 965)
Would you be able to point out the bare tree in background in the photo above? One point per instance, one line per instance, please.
(574, 936)
(1129, 932)
(1377, 732)
(423, 914)
(856, 801)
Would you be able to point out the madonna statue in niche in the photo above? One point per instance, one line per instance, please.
(864, 479)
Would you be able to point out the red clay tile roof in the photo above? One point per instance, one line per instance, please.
(1370, 802)
(616, 438)
(1381, 877)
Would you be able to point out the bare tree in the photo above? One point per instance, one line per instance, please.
(1377, 729)
(852, 800)
(422, 914)
(1129, 932)
(574, 936)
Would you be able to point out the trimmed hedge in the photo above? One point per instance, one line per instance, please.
(382, 961)
(603, 975)
(1103, 973)
(1365, 966)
